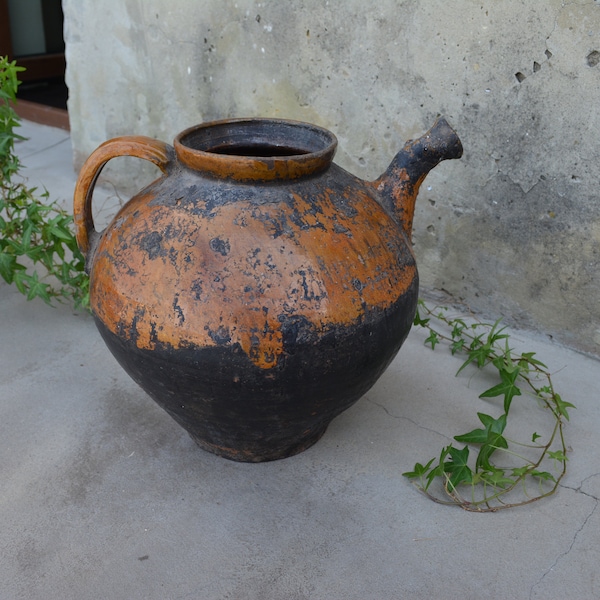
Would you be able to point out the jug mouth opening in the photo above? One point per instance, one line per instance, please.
(256, 149)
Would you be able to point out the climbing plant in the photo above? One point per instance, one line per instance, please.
(38, 251)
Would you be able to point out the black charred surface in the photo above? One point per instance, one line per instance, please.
(235, 409)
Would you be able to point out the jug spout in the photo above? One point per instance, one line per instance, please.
(399, 185)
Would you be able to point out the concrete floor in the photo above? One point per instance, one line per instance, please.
(104, 496)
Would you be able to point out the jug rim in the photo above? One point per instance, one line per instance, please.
(256, 149)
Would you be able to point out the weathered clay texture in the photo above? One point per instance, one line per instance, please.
(256, 290)
(513, 228)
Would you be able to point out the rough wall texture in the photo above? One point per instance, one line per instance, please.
(513, 228)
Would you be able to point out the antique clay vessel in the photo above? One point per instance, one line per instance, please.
(256, 289)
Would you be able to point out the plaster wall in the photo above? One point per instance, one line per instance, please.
(513, 228)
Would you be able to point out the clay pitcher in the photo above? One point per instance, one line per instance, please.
(256, 289)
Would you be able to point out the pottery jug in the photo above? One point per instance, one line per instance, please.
(256, 289)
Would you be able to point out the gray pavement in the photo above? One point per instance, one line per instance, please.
(105, 496)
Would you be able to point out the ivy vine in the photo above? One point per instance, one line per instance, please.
(488, 471)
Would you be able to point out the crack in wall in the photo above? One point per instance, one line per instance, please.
(385, 409)
(580, 491)
(561, 556)
(579, 488)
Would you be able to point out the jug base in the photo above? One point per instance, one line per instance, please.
(269, 452)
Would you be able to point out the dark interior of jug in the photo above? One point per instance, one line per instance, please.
(258, 149)
(259, 138)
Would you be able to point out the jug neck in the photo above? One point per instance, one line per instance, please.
(256, 149)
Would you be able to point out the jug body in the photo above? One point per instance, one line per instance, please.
(255, 290)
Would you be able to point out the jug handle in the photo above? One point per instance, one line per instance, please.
(138, 146)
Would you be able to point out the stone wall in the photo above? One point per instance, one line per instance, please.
(513, 229)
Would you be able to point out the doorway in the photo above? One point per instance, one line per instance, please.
(31, 32)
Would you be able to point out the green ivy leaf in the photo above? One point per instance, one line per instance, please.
(558, 455)
(527, 359)
(457, 467)
(438, 471)
(477, 436)
(433, 339)
(435, 472)
(496, 334)
(38, 289)
(20, 279)
(457, 346)
(490, 438)
(458, 328)
(58, 227)
(419, 470)
(418, 321)
(497, 478)
(482, 436)
(7, 266)
(508, 388)
(477, 352)
(561, 406)
(486, 451)
(543, 475)
(520, 471)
